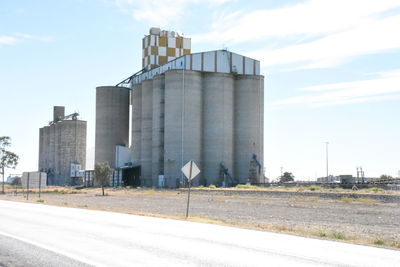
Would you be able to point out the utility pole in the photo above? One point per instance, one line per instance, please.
(362, 174)
(327, 162)
(281, 172)
(40, 182)
(358, 174)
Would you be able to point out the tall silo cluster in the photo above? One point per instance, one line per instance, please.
(206, 107)
(214, 119)
(62, 143)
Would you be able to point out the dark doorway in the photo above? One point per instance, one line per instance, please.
(131, 176)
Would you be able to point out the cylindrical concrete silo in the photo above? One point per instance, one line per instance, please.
(112, 122)
(218, 93)
(52, 150)
(147, 126)
(45, 155)
(136, 122)
(158, 127)
(248, 124)
(41, 147)
(60, 148)
(81, 143)
(71, 148)
(183, 121)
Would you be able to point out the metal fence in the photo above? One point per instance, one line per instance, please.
(386, 185)
(115, 178)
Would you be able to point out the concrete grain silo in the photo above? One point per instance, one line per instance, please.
(136, 122)
(112, 122)
(182, 134)
(248, 124)
(61, 144)
(146, 138)
(158, 128)
(44, 157)
(218, 125)
(41, 146)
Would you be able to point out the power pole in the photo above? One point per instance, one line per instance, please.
(362, 174)
(357, 175)
(327, 162)
(281, 172)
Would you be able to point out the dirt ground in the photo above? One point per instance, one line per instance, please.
(365, 218)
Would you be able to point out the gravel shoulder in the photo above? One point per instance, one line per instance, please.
(372, 219)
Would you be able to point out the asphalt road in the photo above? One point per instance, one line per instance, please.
(114, 239)
(16, 253)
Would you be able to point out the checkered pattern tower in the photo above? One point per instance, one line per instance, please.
(160, 47)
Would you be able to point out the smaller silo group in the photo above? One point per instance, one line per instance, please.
(62, 143)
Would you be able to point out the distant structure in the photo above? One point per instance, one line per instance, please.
(12, 177)
(345, 179)
(207, 107)
(62, 147)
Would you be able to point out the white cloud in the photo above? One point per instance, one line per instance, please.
(314, 34)
(8, 40)
(20, 37)
(314, 17)
(34, 37)
(384, 87)
(335, 49)
(161, 13)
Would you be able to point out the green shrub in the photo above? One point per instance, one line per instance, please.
(379, 241)
(338, 235)
(375, 189)
(314, 187)
(212, 186)
(322, 233)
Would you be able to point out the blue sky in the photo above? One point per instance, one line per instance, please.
(332, 70)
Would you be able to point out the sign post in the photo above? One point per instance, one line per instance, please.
(190, 170)
(27, 188)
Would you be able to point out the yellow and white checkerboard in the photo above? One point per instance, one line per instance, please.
(161, 48)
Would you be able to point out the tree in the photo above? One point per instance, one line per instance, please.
(8, 159)
(102, 173)
(385, 177)
(287, 177)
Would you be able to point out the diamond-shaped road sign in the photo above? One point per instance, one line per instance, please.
(190, 170)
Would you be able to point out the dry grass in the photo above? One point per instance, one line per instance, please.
(347, 200)
(307, 198)
(366, 200)
(149, 192)
(362, 200)
(247, 186)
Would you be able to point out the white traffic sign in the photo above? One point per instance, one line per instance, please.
(190, 170)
